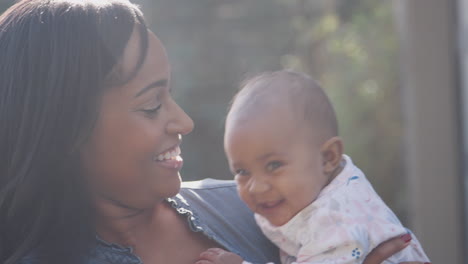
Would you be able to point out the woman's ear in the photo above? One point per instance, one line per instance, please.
(332, 153)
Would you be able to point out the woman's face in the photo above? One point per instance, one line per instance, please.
(133, 154)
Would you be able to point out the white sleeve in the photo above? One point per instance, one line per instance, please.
(333, 237)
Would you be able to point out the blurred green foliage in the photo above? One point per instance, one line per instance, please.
(349, 46)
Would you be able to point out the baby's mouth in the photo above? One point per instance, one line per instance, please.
(269, 206)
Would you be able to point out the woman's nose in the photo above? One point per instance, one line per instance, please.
(180, 122)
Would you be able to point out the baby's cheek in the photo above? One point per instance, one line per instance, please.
(247, 199)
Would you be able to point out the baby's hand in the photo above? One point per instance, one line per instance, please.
(218, 256)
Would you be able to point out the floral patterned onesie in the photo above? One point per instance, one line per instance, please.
(346, 221)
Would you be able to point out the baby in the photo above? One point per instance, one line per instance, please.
(309, 198)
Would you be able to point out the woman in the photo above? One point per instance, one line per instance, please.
(89, 146)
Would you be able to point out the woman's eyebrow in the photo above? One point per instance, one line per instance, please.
(160, 83)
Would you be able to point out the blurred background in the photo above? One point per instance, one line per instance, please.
(394, 70)
(350, 47)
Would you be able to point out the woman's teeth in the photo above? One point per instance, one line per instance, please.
(172, 154)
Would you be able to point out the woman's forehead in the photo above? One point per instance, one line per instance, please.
(155, 65)
(155, 57)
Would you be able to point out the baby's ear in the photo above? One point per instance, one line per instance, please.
(332, 153)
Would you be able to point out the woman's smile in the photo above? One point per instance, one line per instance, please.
(170, 159)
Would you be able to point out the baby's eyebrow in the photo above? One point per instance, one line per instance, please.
(269, 155)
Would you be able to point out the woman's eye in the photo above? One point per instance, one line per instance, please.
(273, 165)
(152, 111)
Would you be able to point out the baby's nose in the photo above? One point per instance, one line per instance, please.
(259, 186)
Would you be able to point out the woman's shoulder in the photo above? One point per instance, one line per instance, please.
(220, 214)
(210, 198)
(217, 193)
(208, 183)
(206, 199)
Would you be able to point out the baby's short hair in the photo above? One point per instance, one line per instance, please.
(304, 94)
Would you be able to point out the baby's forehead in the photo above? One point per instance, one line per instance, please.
(265, 110)
(282, 124)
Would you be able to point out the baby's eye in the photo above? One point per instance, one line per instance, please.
(273, 165)
(241, 172)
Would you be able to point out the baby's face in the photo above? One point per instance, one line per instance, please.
(278, 169)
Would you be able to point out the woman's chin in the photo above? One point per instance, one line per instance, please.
(170, 188)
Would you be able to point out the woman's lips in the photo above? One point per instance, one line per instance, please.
(169, 154)
(170, 159)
